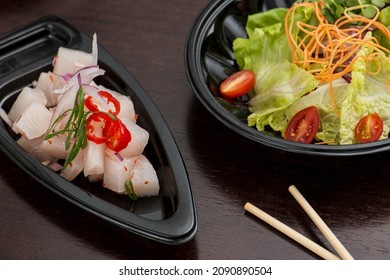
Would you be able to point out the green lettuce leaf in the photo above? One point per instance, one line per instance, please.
(384, 18)
(266, 52)
(366, 94)
(321, 97)
(266, 42)
(277, 86)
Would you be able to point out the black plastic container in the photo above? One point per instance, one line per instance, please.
(209, 60)
(168, 218)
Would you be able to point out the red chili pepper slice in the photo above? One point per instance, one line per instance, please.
(117, 136)
(91, 106)
(92, 129)
(103, 128)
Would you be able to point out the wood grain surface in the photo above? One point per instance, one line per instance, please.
(226, 170)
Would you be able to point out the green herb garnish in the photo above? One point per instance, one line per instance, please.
(335, 9)
(75, 127)
(130, 190)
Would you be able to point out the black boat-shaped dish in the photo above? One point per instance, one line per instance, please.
(168, 218)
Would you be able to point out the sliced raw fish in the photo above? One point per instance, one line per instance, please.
(33, 147)
(116, 172)
(94, 158)
(66, 103)
(55, 146)
(27, 96)
(127, 108)
(81, 80)
(49, 82)
(75, 167)
(144, 178)
(34, 121)
(70, 61)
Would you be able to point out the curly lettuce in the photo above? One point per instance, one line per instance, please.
(279, 82)
(276, 88)
(321, 97)
(282, 88)
(266, 42)
(366, 94)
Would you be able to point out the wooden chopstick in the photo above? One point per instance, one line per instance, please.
(304, 241)
(340, 249)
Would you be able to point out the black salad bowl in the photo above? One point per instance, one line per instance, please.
(209, 60)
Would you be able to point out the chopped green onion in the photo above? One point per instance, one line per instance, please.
(130, 190)
(74, 127)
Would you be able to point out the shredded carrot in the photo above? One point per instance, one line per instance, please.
(328, 51)
(333, 99)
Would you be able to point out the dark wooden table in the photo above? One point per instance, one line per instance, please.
(225, 169)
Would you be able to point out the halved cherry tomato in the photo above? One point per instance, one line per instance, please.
(110, 99)
(117, 136)
(97, 135)
(238, 84)
(369, 128)
(303, 127)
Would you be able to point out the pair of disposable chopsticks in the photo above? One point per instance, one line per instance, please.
(304, 241)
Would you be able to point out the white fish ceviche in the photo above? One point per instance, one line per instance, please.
(78, 127)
